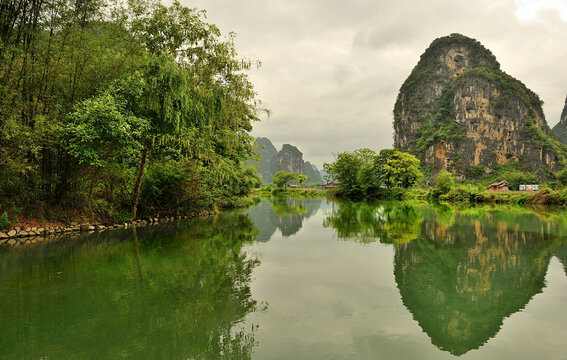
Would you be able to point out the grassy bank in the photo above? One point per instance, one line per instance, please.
(461, 195)
(294, 193)
(469, 195)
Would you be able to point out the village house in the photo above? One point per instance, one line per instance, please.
(499, 186)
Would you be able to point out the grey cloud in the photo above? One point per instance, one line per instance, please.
(332, 68)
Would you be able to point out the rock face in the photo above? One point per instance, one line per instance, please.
(458, 111)
(313, 173)
(561, 128)
(268, 152)
(289, 158)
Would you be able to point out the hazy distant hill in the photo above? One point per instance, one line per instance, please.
(289, 158)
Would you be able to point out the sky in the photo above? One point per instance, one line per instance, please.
(331, 69)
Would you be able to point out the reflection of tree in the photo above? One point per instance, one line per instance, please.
(365, 222)
(460, 273)
(287, 214)
(85, 301)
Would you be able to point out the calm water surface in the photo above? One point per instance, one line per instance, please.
(297, 279)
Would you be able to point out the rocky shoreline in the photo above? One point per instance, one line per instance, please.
(19, 236)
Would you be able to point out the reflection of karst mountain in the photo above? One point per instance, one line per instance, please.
(175, 291)
(459, 273)
(284, 214)
(461, 281)
(561, 253)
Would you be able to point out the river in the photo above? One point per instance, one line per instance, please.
(297, 279)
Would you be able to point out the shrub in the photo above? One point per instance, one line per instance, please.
(5, 221)
(170, 188)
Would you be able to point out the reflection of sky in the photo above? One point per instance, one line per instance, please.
(339, 300)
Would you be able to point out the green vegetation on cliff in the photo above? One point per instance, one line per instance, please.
(458, 110)
(429, 70)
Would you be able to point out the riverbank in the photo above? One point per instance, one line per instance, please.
(463, 195)
(293, 192)
(18, 236)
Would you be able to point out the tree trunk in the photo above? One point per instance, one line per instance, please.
(139, 181)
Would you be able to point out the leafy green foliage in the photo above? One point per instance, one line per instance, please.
(475, 172)
(283, 178)
(5, 220)
(353, 171)
(444, 183)
(362, 172)
(540, 138)
(114, 87)
(397, 169)
(170, 189)
(513, 173)
(562, 177)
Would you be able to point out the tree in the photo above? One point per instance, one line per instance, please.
(301, 178)
(94, 92)
(352, 170)
(129, 116)
(445, 182)
(282, 178)
(395, 168)
(562, 177)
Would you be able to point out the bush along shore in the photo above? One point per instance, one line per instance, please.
(394, 175)
(18, 236)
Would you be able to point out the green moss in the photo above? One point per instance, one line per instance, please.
(510, 88)
(440, 127)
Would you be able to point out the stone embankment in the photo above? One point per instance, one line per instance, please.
(18, 236)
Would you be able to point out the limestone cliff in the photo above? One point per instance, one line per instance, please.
(457, 111)
(561, 128)
(267, 152)
(289, 158)
(312, 172)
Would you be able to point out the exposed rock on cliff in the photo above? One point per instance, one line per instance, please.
(457, 110)
(267, 152)
(561, 128)
(312, 172)
(289, 158)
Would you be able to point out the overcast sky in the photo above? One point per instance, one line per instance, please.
(331, 69)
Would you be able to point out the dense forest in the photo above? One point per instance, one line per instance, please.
(112, 110)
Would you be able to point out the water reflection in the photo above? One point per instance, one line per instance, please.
(459, 273)
(180, 291)
(561, 254)
(285, 214)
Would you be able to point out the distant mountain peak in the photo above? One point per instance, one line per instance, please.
(289, 158)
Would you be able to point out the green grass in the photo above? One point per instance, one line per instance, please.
(295, 193)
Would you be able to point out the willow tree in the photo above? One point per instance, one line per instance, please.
(129, 116)
(192, 94)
